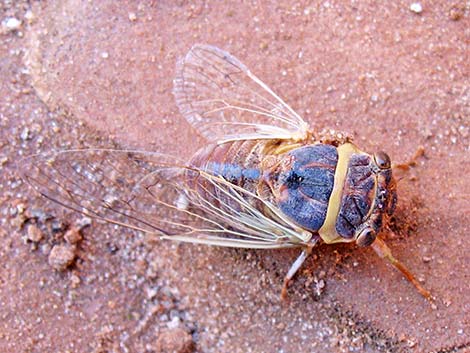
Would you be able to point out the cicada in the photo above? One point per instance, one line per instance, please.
(264, 180)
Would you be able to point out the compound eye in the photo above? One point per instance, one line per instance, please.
(383, 160)
(366, 237)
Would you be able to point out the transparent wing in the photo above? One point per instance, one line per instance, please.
(224, 101)
(152, 193)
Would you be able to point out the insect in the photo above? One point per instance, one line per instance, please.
(264, 181)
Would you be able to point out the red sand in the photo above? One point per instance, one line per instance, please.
(394, 78)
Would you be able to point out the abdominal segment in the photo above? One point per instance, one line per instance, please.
(238, 162)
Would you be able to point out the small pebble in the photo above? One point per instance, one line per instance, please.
(21, 208)
(25, 134)
(61, 257)
(416, 7)
(34, 234)
(39, 214)
(3, 161)
(84, 222)
(175, 340)
(72, 236)
(74, 280)
(174, 323)
(151, 293)
(57, 226)
(10, 24)
(45, 248)
(456, 13)
(29, 16)
(132, 17)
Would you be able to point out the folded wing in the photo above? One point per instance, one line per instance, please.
(224, 101)
(149, 192)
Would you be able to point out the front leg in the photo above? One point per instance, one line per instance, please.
(385, 253)
(410, 163)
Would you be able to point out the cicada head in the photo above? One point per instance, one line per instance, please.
(384, 200)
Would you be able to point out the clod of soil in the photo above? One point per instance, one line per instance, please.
(80, 74)
(175, 340)
(34, 234)
(73, 236)
(61, 256)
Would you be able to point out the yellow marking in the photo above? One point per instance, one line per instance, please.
(277, 147)
(328, 230)
(286, 148)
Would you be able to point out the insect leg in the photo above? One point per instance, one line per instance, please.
(410, 163)
(384, 252)
(307, 250)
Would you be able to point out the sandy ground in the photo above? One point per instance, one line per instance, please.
(394, 75)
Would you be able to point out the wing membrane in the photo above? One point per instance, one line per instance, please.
(150, 192)
(224, 101)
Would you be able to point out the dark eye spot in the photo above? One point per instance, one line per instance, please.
(294, 180)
